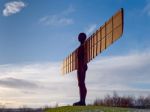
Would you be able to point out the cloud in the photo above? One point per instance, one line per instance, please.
(17, 83)
(147, 8)
(121, 72)
(13, 7)
(61, 19)
(56, 20)
(90, 29)
(68, 11)
(127, 74)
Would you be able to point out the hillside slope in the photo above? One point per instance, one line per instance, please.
(92, 109)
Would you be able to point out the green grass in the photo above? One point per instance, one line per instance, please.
(87, 109)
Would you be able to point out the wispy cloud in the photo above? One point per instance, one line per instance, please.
(56, 20)
(128, 75)
(70, 10)
(60, 19)
(147, 8)
(13, 7)
(90, 29)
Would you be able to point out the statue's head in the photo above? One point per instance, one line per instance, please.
(82, 38)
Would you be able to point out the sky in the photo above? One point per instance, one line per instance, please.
(35, 37)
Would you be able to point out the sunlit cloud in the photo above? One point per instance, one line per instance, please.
(13, 7)
(43, 83)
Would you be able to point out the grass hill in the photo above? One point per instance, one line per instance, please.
(93, 109)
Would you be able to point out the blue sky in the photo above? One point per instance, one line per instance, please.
(26, 38)
(35, 36)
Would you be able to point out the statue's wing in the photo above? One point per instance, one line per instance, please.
(97, 42)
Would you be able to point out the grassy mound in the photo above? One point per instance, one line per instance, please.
(87, 109)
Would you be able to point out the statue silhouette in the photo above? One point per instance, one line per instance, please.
(81, 71)
(90, 48)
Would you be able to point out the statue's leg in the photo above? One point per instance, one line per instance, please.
(82, 86)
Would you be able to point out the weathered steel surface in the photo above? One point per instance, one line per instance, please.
(97, 42)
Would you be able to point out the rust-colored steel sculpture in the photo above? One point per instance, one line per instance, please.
(97, 42)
